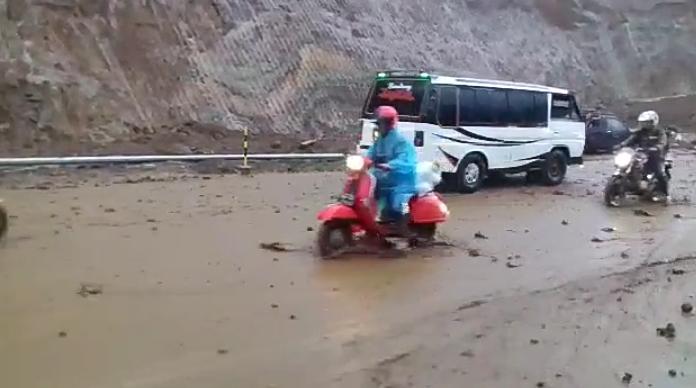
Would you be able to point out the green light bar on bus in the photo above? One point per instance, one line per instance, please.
(403, 74)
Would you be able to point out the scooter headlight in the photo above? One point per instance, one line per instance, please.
(355, 163)
(623, 159)
(444, 209)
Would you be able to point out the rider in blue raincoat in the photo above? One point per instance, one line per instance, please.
(395, 160)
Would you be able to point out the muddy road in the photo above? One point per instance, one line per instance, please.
(150, 279)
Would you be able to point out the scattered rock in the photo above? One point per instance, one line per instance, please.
(669, 331)
(540, 384)
(678, 271)
(276, 145)
(276, 247)
(512, 264)
(310, 229)
(564, 223)
(151, 220)
(480, 235)
(678, 216)
(274, 306)
(642, 213)
(687, 308)
(597, 240)
(87, 289)
(62, 334)
(222, 351)
(558, 192)
(109, 210)
(627, 377)
(474, 252)
(467, 353)
(672, 373)
(293, 317)
(534, 341)
(625, 255)
(609, 230)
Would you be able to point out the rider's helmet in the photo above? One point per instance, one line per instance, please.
(648, 120)
(387, 118)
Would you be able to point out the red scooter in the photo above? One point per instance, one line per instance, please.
(343, 224)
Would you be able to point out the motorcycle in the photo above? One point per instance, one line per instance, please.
(631, 177)
(342, 228)
(4, 221)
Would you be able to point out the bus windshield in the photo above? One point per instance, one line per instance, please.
(405, 95)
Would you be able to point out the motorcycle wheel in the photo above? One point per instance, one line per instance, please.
(333, 238)
(4, 222)
(613, 194)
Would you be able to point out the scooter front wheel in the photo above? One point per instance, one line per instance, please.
(334, 238)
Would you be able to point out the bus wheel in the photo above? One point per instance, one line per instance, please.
(472, 170)
(555, 168)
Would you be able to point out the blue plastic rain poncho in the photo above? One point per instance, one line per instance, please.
(397, 186)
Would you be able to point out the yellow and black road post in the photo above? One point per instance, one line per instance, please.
(245, 168)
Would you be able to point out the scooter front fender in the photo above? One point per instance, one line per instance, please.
(337, 211)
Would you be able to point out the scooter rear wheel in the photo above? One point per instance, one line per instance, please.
(334, 238)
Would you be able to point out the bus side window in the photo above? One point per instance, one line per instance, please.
(447, 107)
(575, 109)
(561, 107)
(431, 107)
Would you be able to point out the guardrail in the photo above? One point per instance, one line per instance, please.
(132, 159)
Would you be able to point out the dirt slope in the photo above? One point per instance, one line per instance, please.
(94, 76)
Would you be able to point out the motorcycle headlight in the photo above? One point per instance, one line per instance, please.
(623, 159)
(355, 163)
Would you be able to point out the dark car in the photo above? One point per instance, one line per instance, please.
(603, 133)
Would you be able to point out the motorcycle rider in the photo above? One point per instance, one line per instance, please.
(654, 141)
(395, 161)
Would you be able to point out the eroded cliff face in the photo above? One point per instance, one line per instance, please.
(93, 76)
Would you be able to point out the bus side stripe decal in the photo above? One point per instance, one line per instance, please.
(478, 143)
(491, 139)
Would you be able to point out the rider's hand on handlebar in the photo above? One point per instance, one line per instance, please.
(383, 167)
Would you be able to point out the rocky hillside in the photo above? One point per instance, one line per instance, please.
(95, 76)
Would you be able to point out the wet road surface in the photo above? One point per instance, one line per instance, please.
(188, 298)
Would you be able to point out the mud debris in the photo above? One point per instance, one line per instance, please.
(609, 230)
(62, 334)
(87, 289)
(513, 264)
(277, 247)
(669, 331)
(471, 305)
(480, 236)
(642, 213)
(672, 373)
(678, 271)
(627, 377)
(534, 341)
(564, 223)
(467, 354)
(222, 351)
(687, 308)
(474, 252)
